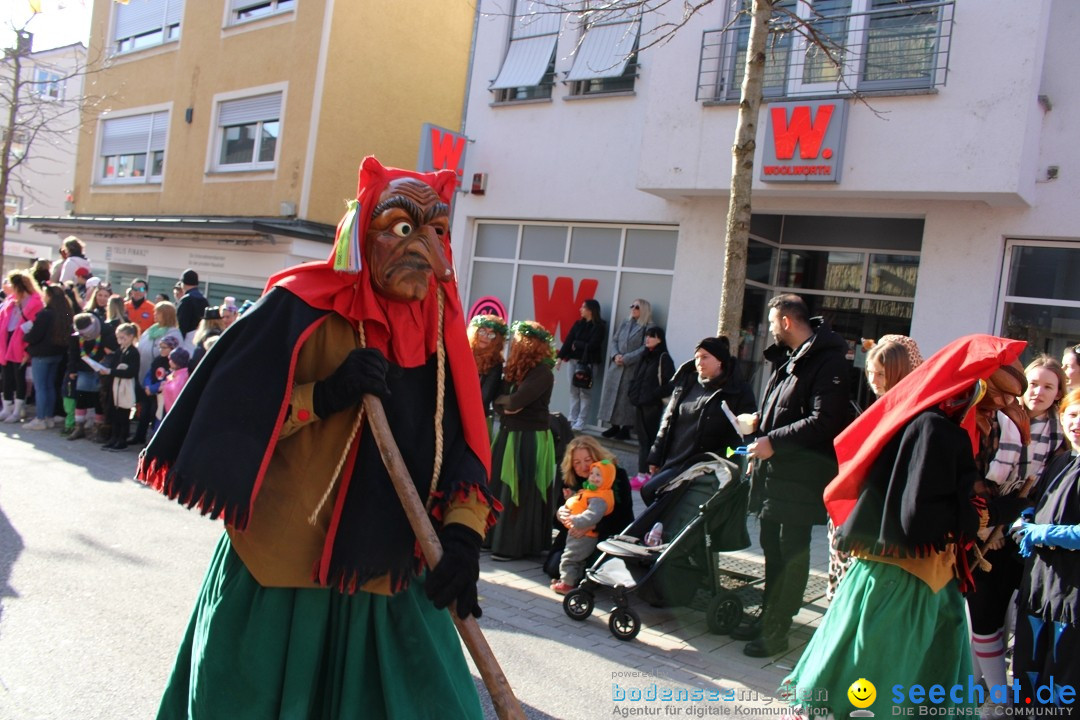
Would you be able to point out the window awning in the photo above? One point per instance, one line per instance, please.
(526, 61)
(604, 51)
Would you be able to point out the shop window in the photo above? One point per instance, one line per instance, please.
(1041, 304)
(653, 249)
(528, 70)
(546, 274)
(132, 149)
(241, 11)
(543, 243)
(248, 130)
(595, 246)
(835, 271)
(836, 47)
(496, 241)
(892, 275)
(217, 292)
(143, 24)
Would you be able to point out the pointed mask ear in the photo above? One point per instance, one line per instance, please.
(444, 183)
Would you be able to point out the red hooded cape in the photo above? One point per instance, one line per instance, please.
(948, 372)
(406, 333)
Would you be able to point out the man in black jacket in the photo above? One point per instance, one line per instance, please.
(807, 404)
(695, 420)
(189, 311)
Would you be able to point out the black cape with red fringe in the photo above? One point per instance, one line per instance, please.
(214, 445)
(917, 495)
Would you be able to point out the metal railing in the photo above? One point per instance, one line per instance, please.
(902, 47)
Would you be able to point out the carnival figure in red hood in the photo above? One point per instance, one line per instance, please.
(905, 507)
(316, 593)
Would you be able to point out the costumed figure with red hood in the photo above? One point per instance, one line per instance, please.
(905, 507)
(316, 603)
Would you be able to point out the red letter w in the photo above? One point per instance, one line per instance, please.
(799, 131)
(560, 309)
(446, 151)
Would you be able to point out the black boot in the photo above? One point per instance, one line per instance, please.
(773, 641)
(611, 431)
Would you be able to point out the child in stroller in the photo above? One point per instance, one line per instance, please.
(703, 511)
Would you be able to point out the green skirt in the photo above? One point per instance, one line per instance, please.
(523, 480)
(262, 653)
(885, 625)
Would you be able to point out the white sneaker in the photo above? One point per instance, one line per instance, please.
(36, 424)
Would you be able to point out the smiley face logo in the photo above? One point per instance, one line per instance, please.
(862, 693)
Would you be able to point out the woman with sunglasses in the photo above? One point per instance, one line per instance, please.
(626, 350)
(583, 349)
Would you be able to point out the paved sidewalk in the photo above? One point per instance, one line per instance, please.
(674, 643)
(560, 668)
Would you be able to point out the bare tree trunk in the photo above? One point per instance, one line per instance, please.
(8, 139)
(742, 175)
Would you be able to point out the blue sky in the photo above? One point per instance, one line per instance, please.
(60, 22)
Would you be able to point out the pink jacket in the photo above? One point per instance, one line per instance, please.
(172, 386)
(14, 350)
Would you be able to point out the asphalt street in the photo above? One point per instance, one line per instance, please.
(98, 576)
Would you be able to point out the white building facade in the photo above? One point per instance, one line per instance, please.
(43, 146)
(941, 203)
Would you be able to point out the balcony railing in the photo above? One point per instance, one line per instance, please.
(899, 47)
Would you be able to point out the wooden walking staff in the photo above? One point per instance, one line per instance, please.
(502, 696)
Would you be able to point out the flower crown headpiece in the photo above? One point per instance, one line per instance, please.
(491, 322)
(521, 327)
(537, 332)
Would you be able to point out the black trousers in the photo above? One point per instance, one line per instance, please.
(646, 425)
(120, 419)
(14, 381)
(989, 602)
(147, 411)
(787, 569)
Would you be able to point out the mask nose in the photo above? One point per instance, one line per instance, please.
(433, 251)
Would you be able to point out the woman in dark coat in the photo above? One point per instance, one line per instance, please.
(1048, 607)
(624, 353)
(649, 390)
(523, 454)
(584, 344)
(47, 344)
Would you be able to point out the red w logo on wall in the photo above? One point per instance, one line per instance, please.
(440, 149)
(816, 128)
(799, 130)
(559, 309)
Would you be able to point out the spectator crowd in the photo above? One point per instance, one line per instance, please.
(93, 361)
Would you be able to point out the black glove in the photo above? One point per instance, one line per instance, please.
(455, 577)
(1004, 510)
(362, 373)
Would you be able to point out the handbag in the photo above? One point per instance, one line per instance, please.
(582, 376)
(124, 392)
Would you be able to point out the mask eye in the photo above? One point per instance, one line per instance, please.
(402, 229)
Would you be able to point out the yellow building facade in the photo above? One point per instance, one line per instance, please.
(226, 134)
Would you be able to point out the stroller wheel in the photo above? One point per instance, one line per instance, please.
(724, 613)
(578, 604)
(624, 623)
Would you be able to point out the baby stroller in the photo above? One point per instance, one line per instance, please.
(703, 511)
